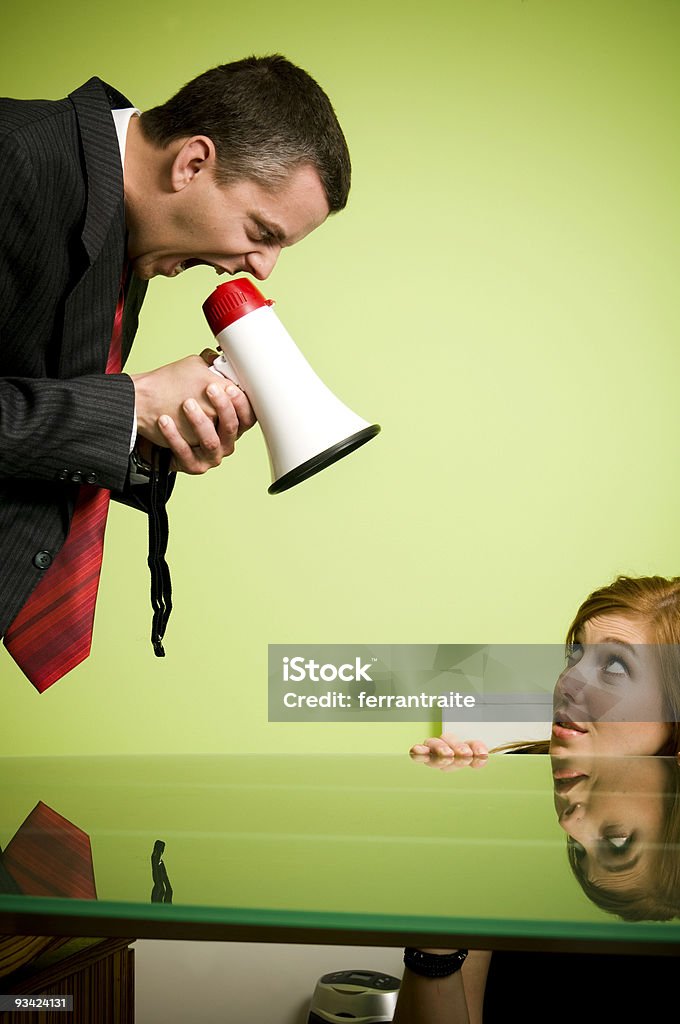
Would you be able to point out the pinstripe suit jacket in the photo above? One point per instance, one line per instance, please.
(62, 249)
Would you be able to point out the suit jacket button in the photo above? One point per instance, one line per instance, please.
(43, 559)
(91, 478)
(77, 477)
(62, 474)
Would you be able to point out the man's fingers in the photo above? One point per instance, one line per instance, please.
(228, 427)
(208, 427)
(239, 403)
(213, 444)
(180, 448)
(244, 410)
(186, 459)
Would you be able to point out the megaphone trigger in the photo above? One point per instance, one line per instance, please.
(221, 365)
(209, 355)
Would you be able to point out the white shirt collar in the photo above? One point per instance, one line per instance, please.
(121, 119)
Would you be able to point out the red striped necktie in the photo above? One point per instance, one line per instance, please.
(53, 631)
(50, 856)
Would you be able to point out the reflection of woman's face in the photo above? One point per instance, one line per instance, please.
(609, 698)
(612, 812)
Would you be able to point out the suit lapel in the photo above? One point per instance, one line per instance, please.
(102, 164)
(91, 305)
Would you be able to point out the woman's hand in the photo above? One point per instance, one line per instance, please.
(447, 752)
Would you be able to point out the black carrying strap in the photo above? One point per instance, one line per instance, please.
(162, 890)
(161, 587)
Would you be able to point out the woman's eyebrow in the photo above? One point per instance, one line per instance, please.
(631, 648)
(617, 869)
(614, 640)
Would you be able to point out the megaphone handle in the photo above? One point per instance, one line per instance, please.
(224, 368)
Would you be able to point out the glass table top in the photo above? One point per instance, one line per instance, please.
(527, 852)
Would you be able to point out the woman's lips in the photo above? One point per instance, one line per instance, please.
(563, 729)
(565, 782)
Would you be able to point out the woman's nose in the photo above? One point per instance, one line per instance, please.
(571, 816)
(572, 685)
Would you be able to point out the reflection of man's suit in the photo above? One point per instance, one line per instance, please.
(62, 247)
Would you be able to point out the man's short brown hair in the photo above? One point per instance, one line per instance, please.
(266, 117)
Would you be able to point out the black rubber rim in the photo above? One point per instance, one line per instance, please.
(326, 458)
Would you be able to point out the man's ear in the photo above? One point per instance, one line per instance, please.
(194, 155)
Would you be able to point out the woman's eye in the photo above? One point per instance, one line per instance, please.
(578, 849)
(616, 667)
(618, 844)
(574, 652)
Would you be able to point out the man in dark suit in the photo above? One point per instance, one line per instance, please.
(244, 161)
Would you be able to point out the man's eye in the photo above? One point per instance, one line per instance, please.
(262, 235)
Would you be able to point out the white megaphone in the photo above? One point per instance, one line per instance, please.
(305, 426)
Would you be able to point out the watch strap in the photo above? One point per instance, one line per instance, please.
(434, 965)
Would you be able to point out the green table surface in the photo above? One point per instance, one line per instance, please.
(352, 849)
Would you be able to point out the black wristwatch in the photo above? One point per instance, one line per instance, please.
(434, 965)
(140, 469)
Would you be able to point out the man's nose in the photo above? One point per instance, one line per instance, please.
(260, 264)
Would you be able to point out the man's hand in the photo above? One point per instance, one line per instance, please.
(196, 413)
(447, 752)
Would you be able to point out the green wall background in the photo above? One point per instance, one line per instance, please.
(500, 294)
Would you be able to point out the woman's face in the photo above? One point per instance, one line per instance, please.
(609, 698)
(612, 812)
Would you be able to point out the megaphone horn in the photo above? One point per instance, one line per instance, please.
(305, 426)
